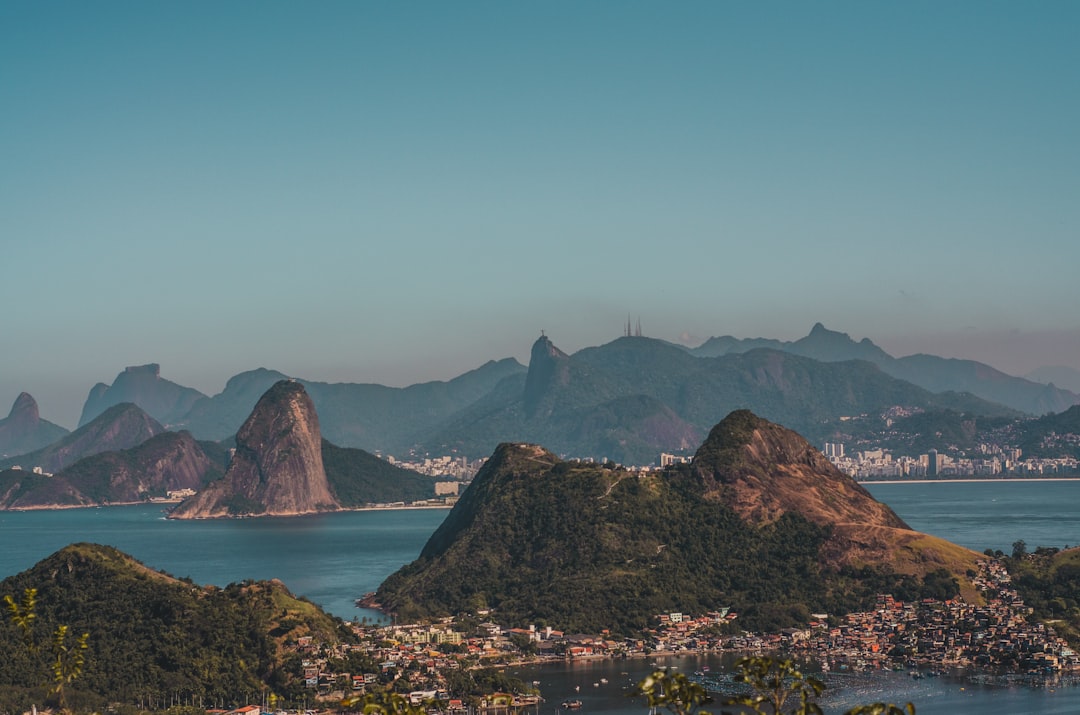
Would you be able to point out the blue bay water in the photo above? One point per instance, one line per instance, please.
(331, 559)
(334, 558)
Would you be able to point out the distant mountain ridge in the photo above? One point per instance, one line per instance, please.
(634, 397)
(23, 430)
(930, 372)
(142, 385)
(1059, 375)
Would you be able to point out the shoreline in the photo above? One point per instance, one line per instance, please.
(965, 480)
(156, 502)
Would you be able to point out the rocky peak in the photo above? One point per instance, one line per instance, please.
(23, 430)
(142, 385)
(25, 409)
(150, 370)
(547, 366)
(277, 469)
(763, 470)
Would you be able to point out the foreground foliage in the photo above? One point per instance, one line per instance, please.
(155, 638)
(64, 660)
(776, 685)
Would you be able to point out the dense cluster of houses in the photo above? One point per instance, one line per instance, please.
(944, 633)
(928, 633)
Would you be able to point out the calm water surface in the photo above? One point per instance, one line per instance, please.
(330, 558)
(334, 558)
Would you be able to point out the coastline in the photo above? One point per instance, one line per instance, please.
(64, 507)
(971, 480)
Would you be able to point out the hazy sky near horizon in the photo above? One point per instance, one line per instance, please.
(397, 192)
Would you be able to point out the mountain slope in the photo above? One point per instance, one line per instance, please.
(151, 634)
(930, 372)
(121, 426)
(632, 398)
(23, 430)
(760, 523)
(163, 463)
(277, 469)
(358, 478)
(141, 385)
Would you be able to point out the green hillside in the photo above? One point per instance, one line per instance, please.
(152, 636)
(357, 478)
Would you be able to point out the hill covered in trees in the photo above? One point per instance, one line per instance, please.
(761, 523)
(152, 636)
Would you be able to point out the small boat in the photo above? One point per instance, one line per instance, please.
(603, 681)
(571, 704)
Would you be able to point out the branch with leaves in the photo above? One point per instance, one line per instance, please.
(776, 686)
(66, 659)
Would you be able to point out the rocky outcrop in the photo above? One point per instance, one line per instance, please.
(23, 430)
(548, 367)
(142, 385)
(121, 426)
(277, 469)
(167, 462)
(762, 471)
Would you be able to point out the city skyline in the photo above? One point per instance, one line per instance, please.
(396, 194)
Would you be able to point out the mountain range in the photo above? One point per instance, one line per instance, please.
(121, 426)
(627, 400)
(276, 467)
(930, 372)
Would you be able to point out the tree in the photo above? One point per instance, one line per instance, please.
(65, 660)
(383, 702)
(776, 684)
(1019, 549)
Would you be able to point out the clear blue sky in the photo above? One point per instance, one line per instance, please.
(397, 192)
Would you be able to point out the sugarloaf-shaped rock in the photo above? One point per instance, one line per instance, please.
(758, 522)
(277, 469)
(23, 430)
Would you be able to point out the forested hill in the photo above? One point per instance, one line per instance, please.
(151, 635)
(358, 478)
(758, 524)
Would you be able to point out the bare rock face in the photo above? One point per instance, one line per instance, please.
(277, 469)
(763, 470)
